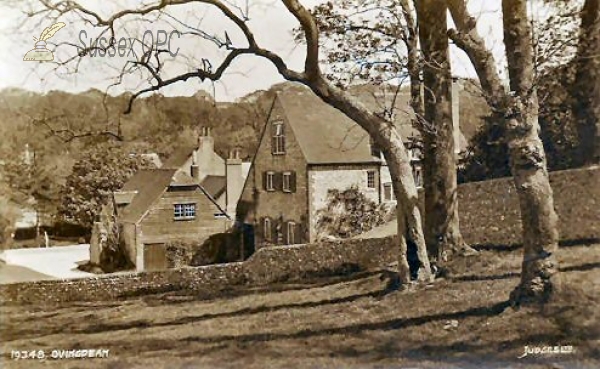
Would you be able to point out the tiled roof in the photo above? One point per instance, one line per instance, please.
(157, 181)
(179, 156)
(214, 185)
(183, 179)
(138, 180)
(325, 134)
(124, 197)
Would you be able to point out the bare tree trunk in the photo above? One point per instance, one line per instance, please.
(528, 161)
(414, 66)
(586, 88)
(403, 267)
(383, 133)
(387, 138)
(442, 229)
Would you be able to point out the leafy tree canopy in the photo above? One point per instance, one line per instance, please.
(100, 171)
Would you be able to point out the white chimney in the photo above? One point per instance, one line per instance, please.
(204, 153)
(234, 180)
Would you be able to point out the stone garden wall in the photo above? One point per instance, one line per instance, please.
(267, 265)
(123, 285)
(489, 215)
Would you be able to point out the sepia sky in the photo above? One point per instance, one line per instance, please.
(269, 20)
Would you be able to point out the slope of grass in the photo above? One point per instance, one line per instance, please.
(462, 321)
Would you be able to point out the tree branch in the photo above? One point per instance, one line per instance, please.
(311, 35)
(466, 37)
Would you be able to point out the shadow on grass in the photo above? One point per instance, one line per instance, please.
(517, 246)
(510, 275)
(186, 296)
(394, 324)
(16, 333)
(99, 328)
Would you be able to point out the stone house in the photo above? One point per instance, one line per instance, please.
(169, 206)
(222, 178)
(306, 149)
(192, 196)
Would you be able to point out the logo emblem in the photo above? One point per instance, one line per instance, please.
(40, 52)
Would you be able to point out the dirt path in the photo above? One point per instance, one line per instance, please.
(353, 322)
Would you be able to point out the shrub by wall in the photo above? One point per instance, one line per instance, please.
(180, 253)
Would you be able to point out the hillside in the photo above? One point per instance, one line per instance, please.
(160, 121)
(156, 121)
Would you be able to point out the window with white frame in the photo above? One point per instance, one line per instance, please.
(278, 139)
(184, 211)
(291, 233)
(414, 153)
(371, 179)
(270, 181)
(287, 182)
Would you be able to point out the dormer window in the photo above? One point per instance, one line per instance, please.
(375, 150)
(277, 138)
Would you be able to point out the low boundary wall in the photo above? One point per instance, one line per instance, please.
(267, 265)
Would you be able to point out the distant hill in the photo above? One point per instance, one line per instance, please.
(160, 123)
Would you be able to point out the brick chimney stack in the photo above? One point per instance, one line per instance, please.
(234, 180)
(202, 156)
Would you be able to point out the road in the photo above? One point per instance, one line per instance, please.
(52, 262)
(16, 273)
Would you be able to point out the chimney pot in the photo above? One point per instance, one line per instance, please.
(234, 153)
